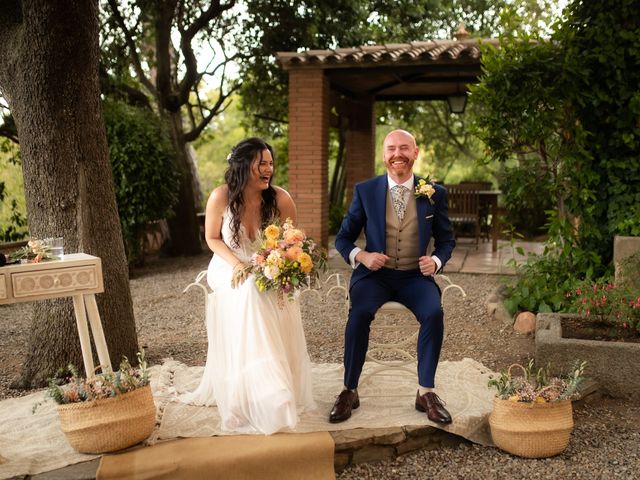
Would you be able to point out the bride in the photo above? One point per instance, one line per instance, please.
(258, 370)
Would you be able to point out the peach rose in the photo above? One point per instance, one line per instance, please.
(293, 236)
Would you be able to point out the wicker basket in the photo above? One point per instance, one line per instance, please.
(109, 424)
(532, 430)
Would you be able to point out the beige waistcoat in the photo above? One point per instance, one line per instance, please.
(402, 238)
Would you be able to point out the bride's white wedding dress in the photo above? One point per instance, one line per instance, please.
(258, 370)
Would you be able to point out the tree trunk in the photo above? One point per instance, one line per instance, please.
(338, 179)
(49, 76)
(183, 226)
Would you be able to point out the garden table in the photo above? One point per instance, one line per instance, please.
(78, 276)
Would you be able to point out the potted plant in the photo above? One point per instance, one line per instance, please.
(107, 412)
(532, 414)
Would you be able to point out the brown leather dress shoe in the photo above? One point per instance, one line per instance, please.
(347, 400)
(431, 403)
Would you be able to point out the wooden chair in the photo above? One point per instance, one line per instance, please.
(484, 208)
(464, 207)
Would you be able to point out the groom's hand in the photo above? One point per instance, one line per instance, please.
(427, 265)
(372, 260)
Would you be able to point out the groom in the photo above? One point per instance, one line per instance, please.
(394, 266)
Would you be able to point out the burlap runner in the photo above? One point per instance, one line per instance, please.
(283, 456)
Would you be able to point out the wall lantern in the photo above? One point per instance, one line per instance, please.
(457, 103)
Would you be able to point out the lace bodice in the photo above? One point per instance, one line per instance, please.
(246, 246)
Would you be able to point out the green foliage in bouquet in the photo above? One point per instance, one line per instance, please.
(538, 385)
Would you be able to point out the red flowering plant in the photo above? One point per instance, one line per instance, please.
(607, 303)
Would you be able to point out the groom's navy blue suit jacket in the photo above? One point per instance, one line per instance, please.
(367, 210)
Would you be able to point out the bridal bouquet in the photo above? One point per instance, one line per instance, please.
(286, 260)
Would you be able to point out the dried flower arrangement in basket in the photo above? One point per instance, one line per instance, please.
(532, 414)
(107, 412)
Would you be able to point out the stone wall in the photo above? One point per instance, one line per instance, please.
(614, 365)
(623, 248)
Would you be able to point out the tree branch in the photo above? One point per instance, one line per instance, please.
(133, 51)
(164, 16)
(271, 119)
(186, 37)
(450, 134)
(193, 134)
(110, 86)
(8, 132)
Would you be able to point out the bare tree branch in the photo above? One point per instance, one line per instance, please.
(217, 108)
(133, 51)
(444, 123)
(271, 119)
(8, 132)
(186, 37)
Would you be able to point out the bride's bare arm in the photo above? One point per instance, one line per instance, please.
(213, 226)
(286, 206)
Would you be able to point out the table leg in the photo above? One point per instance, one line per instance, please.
(83, 333)
(98, 333)
(494, 225)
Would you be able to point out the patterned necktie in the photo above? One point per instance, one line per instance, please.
(398, 195)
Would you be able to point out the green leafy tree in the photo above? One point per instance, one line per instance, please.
(154, 47)
(144, 174)
(321, 25)
(13, 221)
(602, 40)
(575, 102)
(49, 59)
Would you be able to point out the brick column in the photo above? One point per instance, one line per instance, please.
(308, 150)
(360, 142)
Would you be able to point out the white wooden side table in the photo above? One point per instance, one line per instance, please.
(78, 276)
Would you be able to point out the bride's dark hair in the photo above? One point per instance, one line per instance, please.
(236, 177)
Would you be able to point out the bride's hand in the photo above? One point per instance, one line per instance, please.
(239, 274)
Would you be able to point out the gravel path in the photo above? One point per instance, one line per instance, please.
(605, 444)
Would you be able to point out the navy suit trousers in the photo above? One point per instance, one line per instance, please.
(419, 294)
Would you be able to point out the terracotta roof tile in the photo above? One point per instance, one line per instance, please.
(422, 51)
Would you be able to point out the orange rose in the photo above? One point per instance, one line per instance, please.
(293, 253)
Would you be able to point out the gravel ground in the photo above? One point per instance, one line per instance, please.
(606, 440)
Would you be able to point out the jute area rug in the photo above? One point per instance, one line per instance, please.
(33, 443)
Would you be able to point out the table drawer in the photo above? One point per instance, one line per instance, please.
(3, 287)
(29, 284)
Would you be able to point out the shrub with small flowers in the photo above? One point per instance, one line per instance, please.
(286, 260)
(607, 303)
(538, 385)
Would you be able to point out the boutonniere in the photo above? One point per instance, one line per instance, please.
(424, 189)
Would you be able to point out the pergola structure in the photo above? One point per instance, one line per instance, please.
(351, 80)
